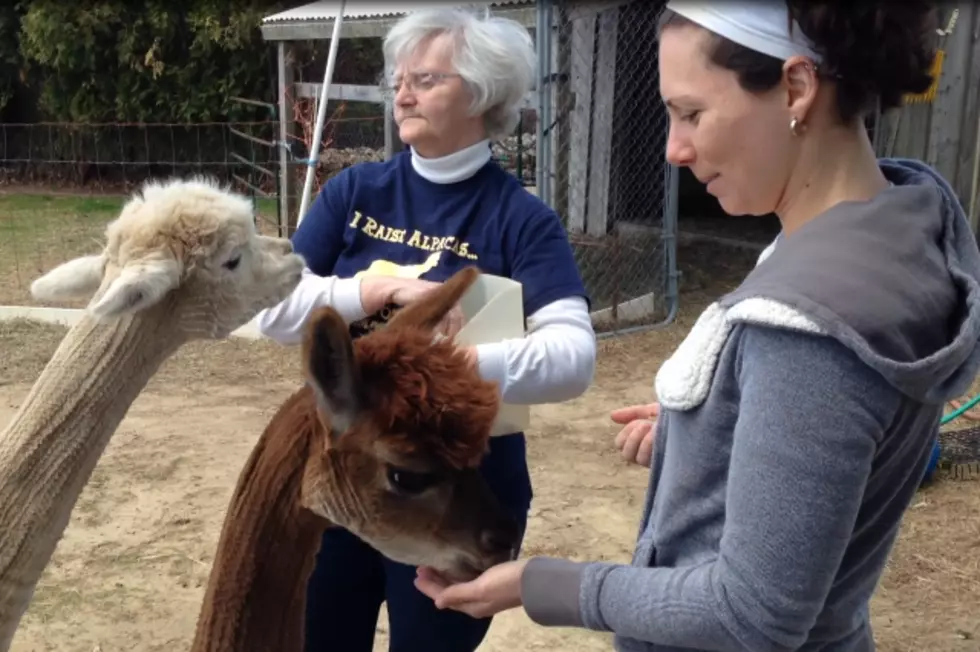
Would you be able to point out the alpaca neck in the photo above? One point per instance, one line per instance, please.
(53, 443)
(256, 594)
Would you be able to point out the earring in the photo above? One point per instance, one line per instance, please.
(794, 126)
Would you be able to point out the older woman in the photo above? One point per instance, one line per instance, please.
(459, 81)
(797, 419)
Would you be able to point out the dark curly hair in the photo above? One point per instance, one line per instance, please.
(874, 52)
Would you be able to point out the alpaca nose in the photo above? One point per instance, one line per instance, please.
(501, 540)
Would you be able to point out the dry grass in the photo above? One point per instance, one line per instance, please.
(130, 571)
(38, 232)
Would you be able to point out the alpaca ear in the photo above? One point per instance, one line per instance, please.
(426, 313)
(332, 369)
(137, 287)
(78, 278)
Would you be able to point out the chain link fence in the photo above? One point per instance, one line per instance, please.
(602, 133)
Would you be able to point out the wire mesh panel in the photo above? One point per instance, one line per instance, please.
(602, 156)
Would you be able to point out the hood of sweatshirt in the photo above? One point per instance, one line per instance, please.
(896, 279)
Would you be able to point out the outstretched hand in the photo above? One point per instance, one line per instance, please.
(635, 440)
(497, 589)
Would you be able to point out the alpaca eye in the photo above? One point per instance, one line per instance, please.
(410, 482)
(233, 263)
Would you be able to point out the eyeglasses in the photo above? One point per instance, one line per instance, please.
(416, 81)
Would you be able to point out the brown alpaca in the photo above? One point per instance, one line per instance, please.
(383, 440)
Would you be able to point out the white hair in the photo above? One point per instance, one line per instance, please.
(494, 56)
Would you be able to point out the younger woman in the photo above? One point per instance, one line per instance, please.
(797, 418)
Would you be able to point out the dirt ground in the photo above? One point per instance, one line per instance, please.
(130, 570)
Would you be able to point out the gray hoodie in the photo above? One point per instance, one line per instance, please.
(799, 416)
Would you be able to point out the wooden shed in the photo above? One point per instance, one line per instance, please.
(942, 126)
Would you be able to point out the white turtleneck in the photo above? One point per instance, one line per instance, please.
(454, 167)
(554, 362)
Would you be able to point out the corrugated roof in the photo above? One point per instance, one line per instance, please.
(327, 10)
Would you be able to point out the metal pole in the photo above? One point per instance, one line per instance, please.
(540, 31)
(975, 185)
(544, 187)
(321, 113)
(284, 117)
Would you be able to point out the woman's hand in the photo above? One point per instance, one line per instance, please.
(379, 291)
(635, 440)
(498, 589)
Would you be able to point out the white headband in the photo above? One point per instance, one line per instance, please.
(760, 25)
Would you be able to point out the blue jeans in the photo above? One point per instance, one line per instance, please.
(351, 580)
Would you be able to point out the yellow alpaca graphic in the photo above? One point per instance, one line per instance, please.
(387, 268)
